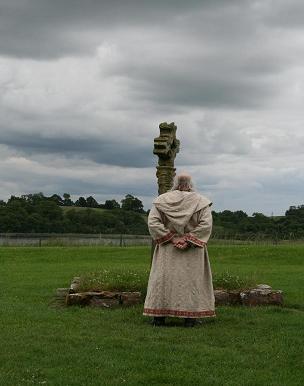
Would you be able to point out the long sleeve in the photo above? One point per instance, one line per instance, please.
(201, 233)
(159, 232)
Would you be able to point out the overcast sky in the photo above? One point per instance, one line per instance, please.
(85, 84)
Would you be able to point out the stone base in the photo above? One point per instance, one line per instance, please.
(224, 297)
(105, 299)
(263, 294)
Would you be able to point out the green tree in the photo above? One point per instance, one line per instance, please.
(132, 203)
(111, 204)
(57, 199)
(91, 202)
(67, 199)
(81, 202)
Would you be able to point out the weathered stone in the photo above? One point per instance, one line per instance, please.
(105, 299)
(105, 303)
(263, 289)
(165, 147)
(80, 299)
(62, 292)
(109, 295)
(234, 297)
(130, 298)
(224, 297)
(260, 296)
(102, 294)
(263, 286)
(75, 285)
(221, 297)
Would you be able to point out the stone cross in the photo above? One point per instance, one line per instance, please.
(166, 146)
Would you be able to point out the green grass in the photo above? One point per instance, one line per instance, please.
(43, 345)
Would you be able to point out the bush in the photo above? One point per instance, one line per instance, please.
(228, 281)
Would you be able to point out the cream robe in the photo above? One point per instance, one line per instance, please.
(180, 282)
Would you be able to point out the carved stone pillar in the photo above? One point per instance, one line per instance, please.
(166, 146)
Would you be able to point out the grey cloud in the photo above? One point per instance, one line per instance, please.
(202, 91)
(227, 72)
(75, 176)
(284, 14)
(98, 149)
(52, 29)
(46, 29)
(243, 187)
(204, 54)
(200, 71)
(204, 83)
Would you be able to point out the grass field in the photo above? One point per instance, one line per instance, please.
(43, 345)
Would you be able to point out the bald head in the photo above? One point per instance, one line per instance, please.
(183, 182)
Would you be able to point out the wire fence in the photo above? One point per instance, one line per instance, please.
(123, 240)
(69, 239)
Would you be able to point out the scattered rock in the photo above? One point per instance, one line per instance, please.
(75, 285)
(234, 297)
(223, 297)
(105, 299)
(109, 295)
(263, 286)
(79, 299)
(62, 292)
(262, 296)
(130, 298)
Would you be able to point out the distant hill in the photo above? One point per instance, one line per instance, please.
(42, 215)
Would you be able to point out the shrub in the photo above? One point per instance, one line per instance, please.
(226, 280)
(115, 280)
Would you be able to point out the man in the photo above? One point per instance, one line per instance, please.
(180, 282)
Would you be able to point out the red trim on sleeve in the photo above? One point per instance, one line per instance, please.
(165, 238)
(194, 240)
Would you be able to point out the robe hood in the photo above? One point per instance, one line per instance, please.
(179, 206)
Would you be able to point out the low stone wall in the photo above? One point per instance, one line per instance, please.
(263, 294)
(105, 299)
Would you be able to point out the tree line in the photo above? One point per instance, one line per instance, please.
(36, 213)
(238, 225)
(128, 203)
